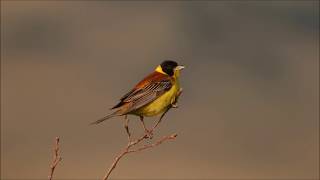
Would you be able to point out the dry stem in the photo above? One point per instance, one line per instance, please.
(56, 158)
(128, 150)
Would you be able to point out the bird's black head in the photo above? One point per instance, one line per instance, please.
(168, 67)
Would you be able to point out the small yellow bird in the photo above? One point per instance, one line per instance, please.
(154, 95)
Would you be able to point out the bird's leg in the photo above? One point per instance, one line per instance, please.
(148, 132)
(158, 122)
(127, 127)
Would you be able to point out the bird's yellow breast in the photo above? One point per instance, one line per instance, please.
(160, 104)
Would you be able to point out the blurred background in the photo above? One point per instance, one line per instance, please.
(249, 108)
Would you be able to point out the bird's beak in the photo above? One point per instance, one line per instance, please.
(180, 67)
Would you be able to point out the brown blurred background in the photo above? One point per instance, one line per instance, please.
(250, 102)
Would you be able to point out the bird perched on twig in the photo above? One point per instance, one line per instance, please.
(155, 94)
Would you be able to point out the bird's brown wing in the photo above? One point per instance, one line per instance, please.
(145, 91)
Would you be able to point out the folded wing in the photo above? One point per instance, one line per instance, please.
(145, 92)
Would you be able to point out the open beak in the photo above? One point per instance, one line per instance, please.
(180, 67)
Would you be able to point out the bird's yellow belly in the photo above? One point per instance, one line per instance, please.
(160, 104)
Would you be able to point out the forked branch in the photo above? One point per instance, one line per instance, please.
(56, 158)
(130, 145)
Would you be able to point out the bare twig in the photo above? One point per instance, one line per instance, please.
(160, 141)
(128, 149)
(56, 158)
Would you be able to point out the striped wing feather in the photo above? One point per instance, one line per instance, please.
(145, 91)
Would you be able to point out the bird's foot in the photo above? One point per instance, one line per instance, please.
(148, 133)
(174, 105)
(129, 140)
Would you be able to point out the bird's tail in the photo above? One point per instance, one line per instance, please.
(105, 118)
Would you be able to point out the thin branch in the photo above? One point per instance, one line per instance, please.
(127, 150)
(56, 158)
(163, 139)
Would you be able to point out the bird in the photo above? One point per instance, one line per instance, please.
(153, 95)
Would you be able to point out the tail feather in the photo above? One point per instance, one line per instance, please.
(105, 118)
